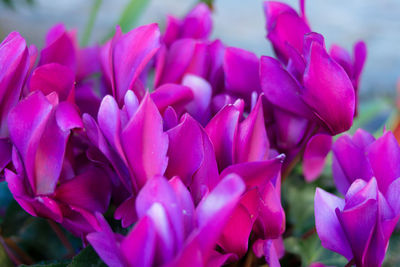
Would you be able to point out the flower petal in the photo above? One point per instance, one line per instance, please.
(328, 226)
(131, 53)
(144, 142)
(315, 154)
(328, 90)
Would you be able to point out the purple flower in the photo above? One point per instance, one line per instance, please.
(46, 182)
(171, 231)
(359, 226)
(362, 157)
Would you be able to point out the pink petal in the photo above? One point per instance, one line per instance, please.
(314, 156)
(144, 142)
(327, 87)
(139, 245)
(26, 129)
(252, 142)
(53, 77)
(89, 190)
(222, 130)
(185, 162)
(131, 53)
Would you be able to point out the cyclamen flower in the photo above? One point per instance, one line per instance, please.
(362, 157)
(171, 231)
(66, 72)
(367, 172)
(14, 64)
(47, 183)
(241, 143)
(359, 226)
(197, 24)
(124, 59)
(306, 87)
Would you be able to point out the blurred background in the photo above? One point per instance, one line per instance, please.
(238, 23)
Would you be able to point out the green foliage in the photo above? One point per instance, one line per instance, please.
(4, 259)
(11, 3)
(209, 3)
(130, 15)
(87, 257)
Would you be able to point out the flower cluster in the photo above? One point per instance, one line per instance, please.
(186, 139)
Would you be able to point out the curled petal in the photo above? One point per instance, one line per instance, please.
(327, 223)
(327, 87)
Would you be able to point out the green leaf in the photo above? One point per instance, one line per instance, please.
(372, 115)
(62, 263)
(14, 219)
(130, 15)
(209, 3)
(392, 255)
(299, 204)
(87, 257)
(310, 250)
(4, 259)
(39, 240)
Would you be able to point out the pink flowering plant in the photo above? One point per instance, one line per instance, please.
(170, 148)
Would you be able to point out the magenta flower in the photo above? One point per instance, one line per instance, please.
(359, 226)
(133, 141)
(46, 182)
(124, 59)
(67, 73)
(197, 24)
(352, 65)
(286, 28)
(171, 231)
(304, 95)
(14, 64)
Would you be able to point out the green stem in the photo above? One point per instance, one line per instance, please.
(64, 240)
(90, 23)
